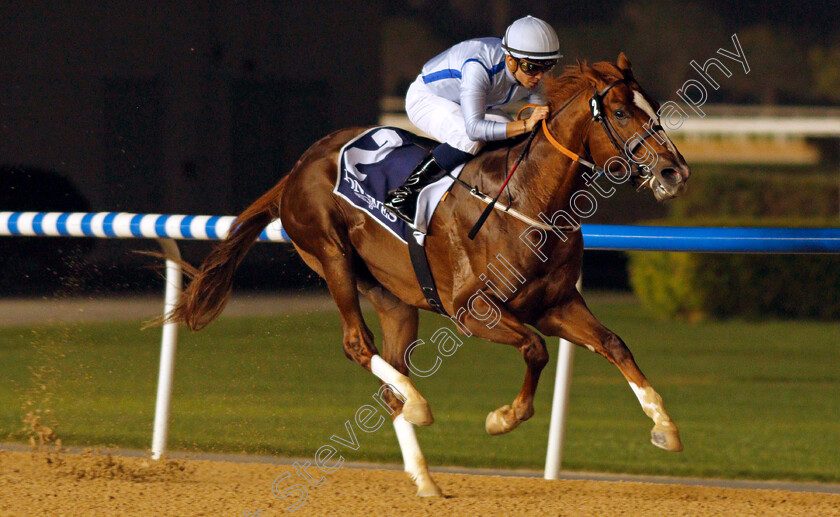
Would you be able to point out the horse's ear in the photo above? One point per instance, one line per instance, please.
(623, 63)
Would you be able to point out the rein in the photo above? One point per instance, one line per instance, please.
(644, 176)
(493, 202)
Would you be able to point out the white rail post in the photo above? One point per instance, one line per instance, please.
(559, 406)
(168, 343)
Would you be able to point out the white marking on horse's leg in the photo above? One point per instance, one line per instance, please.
(389, 375)
(501, 421)
(664, 433)
(652, 405)
(415, 463)
(415, 407)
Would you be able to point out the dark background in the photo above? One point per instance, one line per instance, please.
(199, 107)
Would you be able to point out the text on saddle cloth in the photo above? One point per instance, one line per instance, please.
(380, 160)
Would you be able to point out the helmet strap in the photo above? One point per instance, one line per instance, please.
(515, 68)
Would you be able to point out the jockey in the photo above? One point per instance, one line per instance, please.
(456, 100)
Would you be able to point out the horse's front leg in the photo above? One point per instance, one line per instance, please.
(574, 322)
(501, 326)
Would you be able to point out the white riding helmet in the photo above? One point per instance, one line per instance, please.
(531, 38)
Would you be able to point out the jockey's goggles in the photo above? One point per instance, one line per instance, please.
(536, 67)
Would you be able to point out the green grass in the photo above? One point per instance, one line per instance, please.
(752, 399)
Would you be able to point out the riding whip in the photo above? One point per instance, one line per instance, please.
(486, 213)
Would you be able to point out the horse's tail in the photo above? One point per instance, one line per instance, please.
(207, 294)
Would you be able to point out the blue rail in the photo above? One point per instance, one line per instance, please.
(596, 236)
(719, 240)
(122, 225)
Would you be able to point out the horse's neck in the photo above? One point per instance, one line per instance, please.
(549, 178)
(546, 179)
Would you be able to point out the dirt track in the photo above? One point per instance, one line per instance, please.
(70, 484)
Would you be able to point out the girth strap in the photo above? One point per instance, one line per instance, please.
(420, 262)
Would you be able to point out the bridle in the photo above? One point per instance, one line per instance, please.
(640, 173)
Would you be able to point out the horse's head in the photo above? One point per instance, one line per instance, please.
(622, 133)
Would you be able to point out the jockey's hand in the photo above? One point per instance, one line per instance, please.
(539, 113)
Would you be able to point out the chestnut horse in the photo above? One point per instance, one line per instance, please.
(354, 254)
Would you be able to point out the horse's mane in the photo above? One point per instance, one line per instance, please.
(576, 77)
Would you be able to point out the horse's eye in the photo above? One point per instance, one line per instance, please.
(620, 114)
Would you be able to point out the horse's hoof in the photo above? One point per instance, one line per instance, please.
(501, 421)
(428, 489)
(667, 438)
(418, 413)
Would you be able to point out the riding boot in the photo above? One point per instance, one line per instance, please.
(402, 201)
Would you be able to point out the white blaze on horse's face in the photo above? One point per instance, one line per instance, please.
(667, 181)
(643, 104)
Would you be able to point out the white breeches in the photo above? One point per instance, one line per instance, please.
(442, 119)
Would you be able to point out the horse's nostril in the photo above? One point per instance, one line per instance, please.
(670, 175)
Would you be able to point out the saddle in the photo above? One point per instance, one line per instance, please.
(379, 160)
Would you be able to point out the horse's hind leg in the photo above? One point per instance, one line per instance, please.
(337, 269)
(399, 330)
(573, 321)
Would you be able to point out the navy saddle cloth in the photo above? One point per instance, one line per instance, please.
(377, 161)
